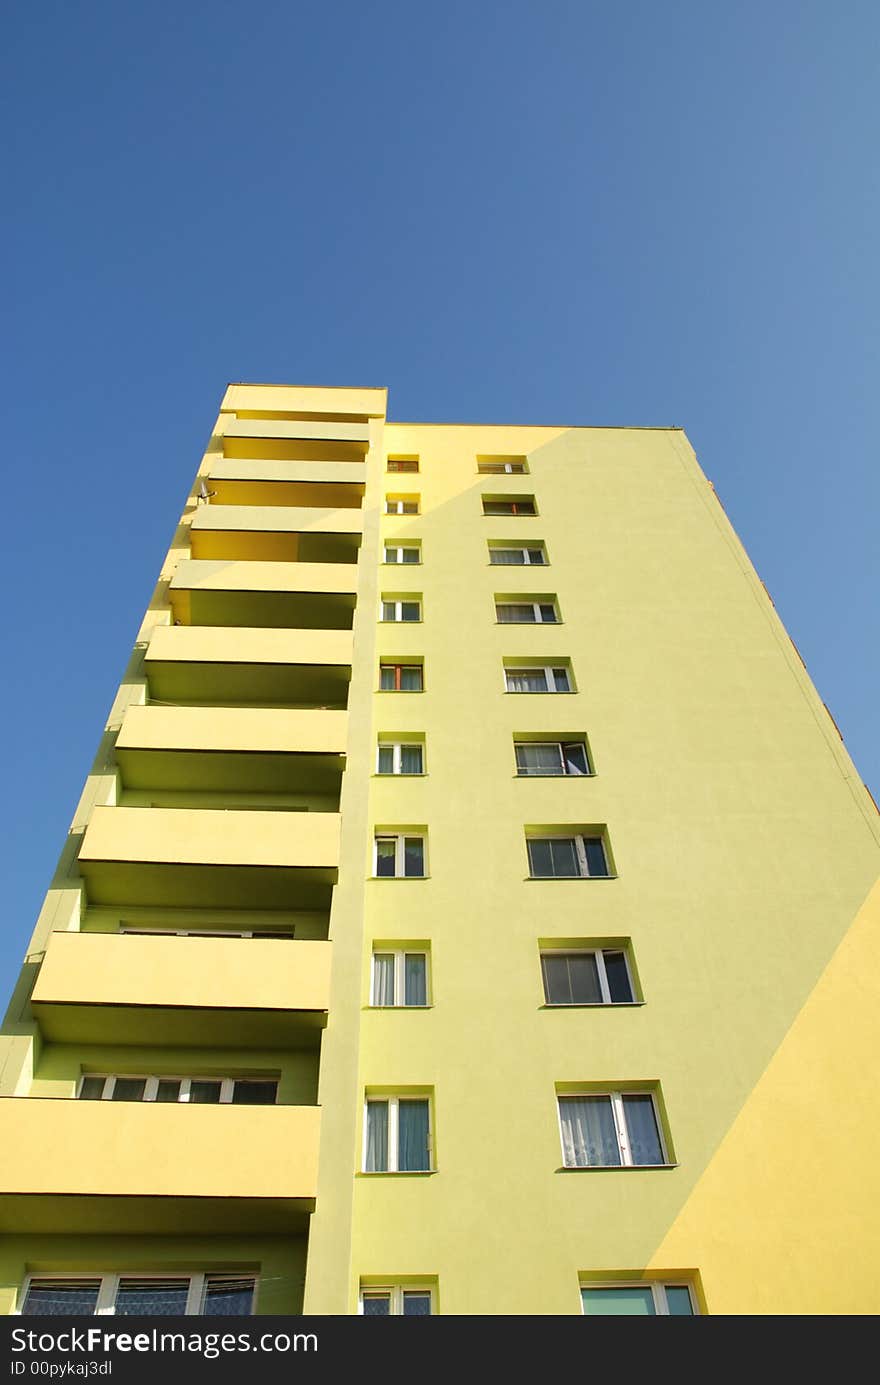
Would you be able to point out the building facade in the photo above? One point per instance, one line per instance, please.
(468, 841)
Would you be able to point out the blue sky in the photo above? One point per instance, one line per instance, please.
(561, 213)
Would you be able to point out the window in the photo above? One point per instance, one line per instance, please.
(502, 466)
(208, 933)
(537, 758)
(395, 1300)
(403, 463)
(397, 1134)
(509, 505)
(577, 857)
(526, 612)
(401, 678)
(599, 977)
(399, 857)
(401, 610)
(610, 1130)
(393, 757)
(507, 555)
(401, 504)
(400, 978)
(399, 554)
(645, 1300)
(197, 1091)
(210, 1295)
(538, 679)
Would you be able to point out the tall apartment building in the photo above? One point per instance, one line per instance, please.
(468, 841)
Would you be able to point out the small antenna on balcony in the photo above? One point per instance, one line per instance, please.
(204, 493)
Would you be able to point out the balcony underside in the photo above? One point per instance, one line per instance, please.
(331, 433)
(240, 684)
(292, 449)
(79, 1215)
(341, 495)
(287, 547)
(173, 885)
(242, 771)
(262, 610)
(176, 1026)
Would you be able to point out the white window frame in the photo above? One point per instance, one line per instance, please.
(393, 1103)
(580, 849)
(565, 773)
(394, 505)
(397, 618)
(108, 1286)
(227, 1085)
(383, 665)
(525, 551)
(658, 1291)
(400, 955)
(546, 669)
(538, 616)
(397, 748)
(395, 1293)
(399, 549)
(620, 1128)
(399, 839)
(599, 954)
(488, 468)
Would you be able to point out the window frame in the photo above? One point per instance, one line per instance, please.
(579, 838)
(400, 548)
(109, 1282)
(227, 1087)
(525, 550)
(658, 1289)
(549, 678)
(400, 839)
(397, 748)
(398, 603)
(560, 745)
(259, 933)
(616, 1096)
(513, 501)
(403, 505)
(398, 670)
(605, 990)
(501, 466)
(538, 618)
(400, 955)
(395, 1293)
(403, 465)
(393, 1100)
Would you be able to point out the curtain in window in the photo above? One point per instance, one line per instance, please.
(61, 1298)
(91, 1089)
(538, 759)
(161, 1298)
(641, 1124)
(410, 759)
(515, 613)
(526, 680)
(415, 990)
(168, 1090)
(588, 1133)
(383, 978)
(387, 678)
(507, 557)
(413, 1135)
(560, 679)
(410, 555)
(411, 679)
(386, 850)
(630, 1300)
(386, 759)
(575, 757)
(413, 856)
(377, 1137)
(203, 1092)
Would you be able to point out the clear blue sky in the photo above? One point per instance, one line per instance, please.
(555, 212)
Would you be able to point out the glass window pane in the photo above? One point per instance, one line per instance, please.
(526, 680)
(377, 1305)
(413, 856)
(507, 557)
(129, 1089)
(678, 1301)
(548, 613)
(584, 972)
(575, 756)
(561, 681)
(618, 977)
(251, 1093)
(227, 1297)
(540, 859)
(524, 507)
(538, 758)
(152, 1298)
(389, 611)
(61, 1298)
(553, 857)
(414, 979)
(377, 1137)
(391, 555)
(589, 1135)
(410, 759)
(168, 1090)
(515, 613)
(203, 1093)
(386, 759)
(410, 555)
(386, 850)
(641, 1125)
(557, 979)
(411, 678)
(536, 557)
(634, 1300)
(416, 1304)
(410, 610)
(412, 1123)
(383, 978)
(497, 507)
(595, 851)
(92, 1089)
(387, 678)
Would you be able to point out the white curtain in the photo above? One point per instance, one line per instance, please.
(383, 978)
(588, 1133)
(377, 1137)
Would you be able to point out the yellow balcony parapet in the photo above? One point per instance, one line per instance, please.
(276, 519)
(231, 575)
(234, 729)
(335, 401)
(217, 664)
(201, 836)
(283, 473)
(295, 429)
(217, 644)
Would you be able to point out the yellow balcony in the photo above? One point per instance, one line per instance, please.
(294, 595)
(318, 402)
(286, 533)
(233, 749)
(215, 664)
(210, 858)
(266, 482)
(116, 988)
(103, 1166)
(294, 439)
